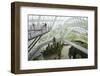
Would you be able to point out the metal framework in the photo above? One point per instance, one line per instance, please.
(39, 25)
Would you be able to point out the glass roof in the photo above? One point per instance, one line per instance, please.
(65, 27)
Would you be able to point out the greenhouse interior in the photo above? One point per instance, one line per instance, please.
(52, 37)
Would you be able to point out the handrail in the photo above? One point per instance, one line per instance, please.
(77, 46)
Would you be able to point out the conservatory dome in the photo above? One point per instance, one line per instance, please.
(66, 30)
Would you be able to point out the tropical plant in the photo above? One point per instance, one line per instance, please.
(54, 48)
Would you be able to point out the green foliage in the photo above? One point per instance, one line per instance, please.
(54, 48)
(81, 43)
